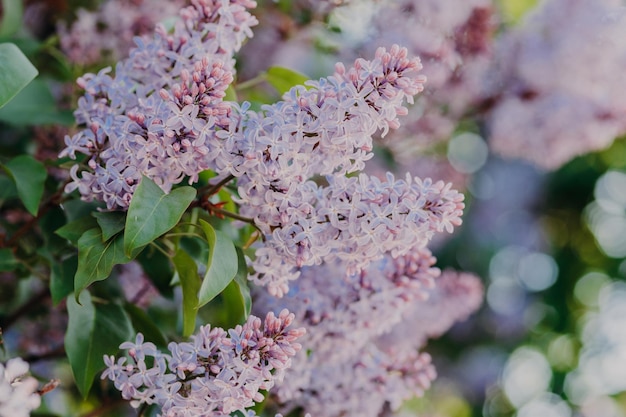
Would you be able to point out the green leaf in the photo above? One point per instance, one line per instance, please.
(96, 258)
(29, 176)
(222, 265)
(7, 189)
(72, 231)
(62, 278)
(152, 213)
(190, 282)
(93, 330)
(231, 94)
(35, 105)
(7, 260)
(16, 70)
(242, 282)
(143, 323)
(12, 11)
(110, 222)
(282, 79)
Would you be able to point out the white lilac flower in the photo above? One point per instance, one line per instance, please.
(214, 374)
(18, 392)
(159, 112)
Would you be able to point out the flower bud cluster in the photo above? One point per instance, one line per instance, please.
(18, 392)
(216, 373)
(156, 116)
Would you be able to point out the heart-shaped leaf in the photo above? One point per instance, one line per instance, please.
(73, 230)
(29, 176)
(93, 330)
(152, 213)
(222, 264)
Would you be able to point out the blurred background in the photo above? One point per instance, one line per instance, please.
(523, 110)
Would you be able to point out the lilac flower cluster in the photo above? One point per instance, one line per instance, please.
(364, 332)
(214, 374)
(108, 32)
(323, 133)
(18, 392)
(160, 112)
(545, 117)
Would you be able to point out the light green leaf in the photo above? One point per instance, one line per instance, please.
(153, 213)
(29, 176)
(12, 11)
(110, 222)
(96, 258)
(93, 330)
(242, 282)
(16, 70)
(222, 264)
(190, 282)
(283, 79)
(7, 260)
(73, 230)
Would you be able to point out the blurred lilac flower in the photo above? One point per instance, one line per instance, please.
(18, 392)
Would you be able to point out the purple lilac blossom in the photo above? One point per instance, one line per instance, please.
(108, 33)
(551, 108)
(355, 363)
(18, 392)
(158, 115)
(216, 373)
(325, 132)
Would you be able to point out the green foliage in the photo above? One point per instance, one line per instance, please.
(7, 260)
(187, 271)
(35, 106)
(16, 69)
(144, 324)
(153, 213)
(110, 222)
(94, 330)
(62, 278)
(222, 264)
(29, 176)
(96, 258)
(283, 79)
(12, 12)
(242, 282)
(73, 230)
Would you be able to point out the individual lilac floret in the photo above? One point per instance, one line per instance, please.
(158, 114)
(214, 374)
(18, 392)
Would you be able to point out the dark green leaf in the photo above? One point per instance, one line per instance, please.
(16, 70)
(144, 324)
(93, 330)
(152, 213)
(7, 189)
(7, 260)
(12, 11)
(282, 79)
(62, 278)
(111, 223)
(75, 229)
(222, 264)
(29, 176)
(96, 258)
(35, 105)
(190, 282)
(158, 269)
(242, 282)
